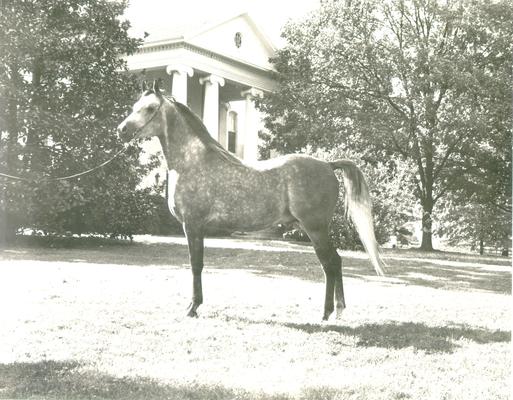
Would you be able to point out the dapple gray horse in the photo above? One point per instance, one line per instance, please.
(209, 188)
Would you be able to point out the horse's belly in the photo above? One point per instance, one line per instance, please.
(245, 204)
(246, 213)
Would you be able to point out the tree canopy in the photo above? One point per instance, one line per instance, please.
(428, 81)
(63, 89)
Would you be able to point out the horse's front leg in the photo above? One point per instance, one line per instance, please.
(195, 243)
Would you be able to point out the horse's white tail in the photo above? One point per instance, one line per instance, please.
(359, 208)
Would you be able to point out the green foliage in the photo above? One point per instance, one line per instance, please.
(64, 89)
(425, 81)
(467, 221)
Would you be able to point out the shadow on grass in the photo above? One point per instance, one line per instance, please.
(394, 335)
(272, 263)
(53, 380)
(73, 380)
(409, 334)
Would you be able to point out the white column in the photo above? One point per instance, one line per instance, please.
(179, 74)
(211, 103)
(251, 124)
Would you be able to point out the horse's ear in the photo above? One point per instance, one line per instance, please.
(144, 87)
(156, 86)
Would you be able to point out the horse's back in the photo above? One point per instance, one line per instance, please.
(291, 164)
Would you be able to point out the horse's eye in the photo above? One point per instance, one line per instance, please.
(151, 109)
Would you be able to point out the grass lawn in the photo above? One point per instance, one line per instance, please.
(107, 321)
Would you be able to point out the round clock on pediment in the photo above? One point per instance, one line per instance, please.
(238, 39)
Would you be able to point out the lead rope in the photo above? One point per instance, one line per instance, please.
(62, 178)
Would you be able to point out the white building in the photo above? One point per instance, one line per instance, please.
(217, 69)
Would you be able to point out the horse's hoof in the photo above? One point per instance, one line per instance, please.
(192, 311)
(340, 310)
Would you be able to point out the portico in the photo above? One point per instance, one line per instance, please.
(218, 69)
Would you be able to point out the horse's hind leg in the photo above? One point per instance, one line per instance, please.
(195, 243)
(332, 266)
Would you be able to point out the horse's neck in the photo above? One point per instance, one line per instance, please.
(182, 156)
(182, 149)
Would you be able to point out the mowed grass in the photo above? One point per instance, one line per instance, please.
(108, 322)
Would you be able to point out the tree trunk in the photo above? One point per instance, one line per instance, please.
(427, 224)
(3, 164)
(8, 157)
(7, 228)
(3, 231)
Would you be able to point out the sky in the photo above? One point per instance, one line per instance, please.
(270, 15)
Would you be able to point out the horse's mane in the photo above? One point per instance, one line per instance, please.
(201, 132)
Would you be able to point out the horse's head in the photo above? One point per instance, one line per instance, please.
(147, 117)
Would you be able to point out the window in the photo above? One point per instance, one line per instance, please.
(238, 39)
(232, 131)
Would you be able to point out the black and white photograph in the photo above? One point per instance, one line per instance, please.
(256, 199)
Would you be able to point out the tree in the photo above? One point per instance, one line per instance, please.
(428, 81)
(64, 89)
(468, 221)
(479, 208)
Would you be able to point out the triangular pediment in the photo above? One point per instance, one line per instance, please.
(238, 38)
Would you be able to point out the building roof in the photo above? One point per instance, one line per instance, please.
(233, 47)
(187, 32)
